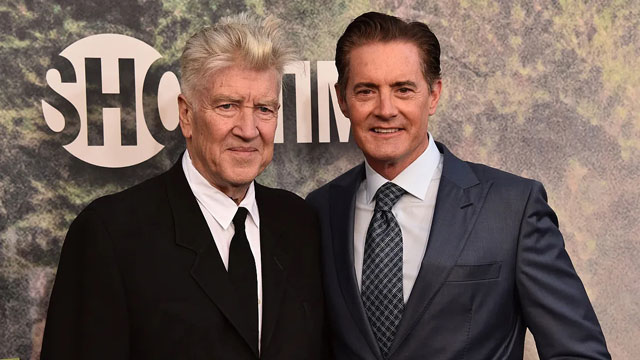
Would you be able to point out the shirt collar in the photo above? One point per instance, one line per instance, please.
(412, 179)
(217, 203)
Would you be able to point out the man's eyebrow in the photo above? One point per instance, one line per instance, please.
(408, 83)
(365, 84)
(225, 99)
(395, 84)
(267, 102)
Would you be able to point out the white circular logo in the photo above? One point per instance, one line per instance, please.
(99, 91)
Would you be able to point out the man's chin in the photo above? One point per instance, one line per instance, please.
(240, 181)
(243, 176)
(378, 155)
(239, 173)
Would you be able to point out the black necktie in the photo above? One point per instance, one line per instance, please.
(242, 273)
(382, 269)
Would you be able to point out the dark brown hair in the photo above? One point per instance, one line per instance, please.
(376, 27)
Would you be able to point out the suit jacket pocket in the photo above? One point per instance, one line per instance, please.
(461, 273)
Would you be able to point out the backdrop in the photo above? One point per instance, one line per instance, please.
(544, 89)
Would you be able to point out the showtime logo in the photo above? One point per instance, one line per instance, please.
(102, 99)
(113, 101)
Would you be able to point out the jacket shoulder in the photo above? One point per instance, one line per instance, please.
(486, 172)
(505, 186)
(281, 195)
(467, 173)
(281, 203)
(321, 194)
(131, 204)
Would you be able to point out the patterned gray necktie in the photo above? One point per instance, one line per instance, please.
(382, 268)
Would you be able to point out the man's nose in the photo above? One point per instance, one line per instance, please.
(246, 126)
(386, 108)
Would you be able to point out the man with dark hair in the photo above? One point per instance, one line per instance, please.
(426, 256)
(200, 262)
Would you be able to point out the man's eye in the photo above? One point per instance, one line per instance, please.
(225, 106)
(364, 92)
(265, 112)
(226, 109)
(266, 109)
(404, 90)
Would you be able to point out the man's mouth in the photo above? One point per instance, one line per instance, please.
(243, 149)
(385, 131)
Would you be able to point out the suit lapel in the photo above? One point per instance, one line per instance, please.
(192, 232)
(342, 203)
(459, 199)
(274, 264)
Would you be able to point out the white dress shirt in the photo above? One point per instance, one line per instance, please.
(218, 210)
(414, 212)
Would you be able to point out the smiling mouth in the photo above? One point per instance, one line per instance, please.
(385, 131)
(243, 149)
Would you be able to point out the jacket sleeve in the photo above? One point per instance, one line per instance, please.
(87, 316)
(554, 303)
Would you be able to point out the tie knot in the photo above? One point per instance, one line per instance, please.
(387, 196)
(238, 219)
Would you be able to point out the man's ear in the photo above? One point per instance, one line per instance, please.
(342, 101)
(436, 90)
(185, 111)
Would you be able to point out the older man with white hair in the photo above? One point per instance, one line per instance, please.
(200, 262)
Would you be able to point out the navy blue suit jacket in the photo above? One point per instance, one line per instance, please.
(495, 265)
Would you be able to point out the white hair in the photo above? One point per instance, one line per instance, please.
(247, 39)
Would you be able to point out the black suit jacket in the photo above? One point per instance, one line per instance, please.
(495, 264)
(140, 277)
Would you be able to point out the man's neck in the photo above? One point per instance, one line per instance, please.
(391, 169)
(387, 170)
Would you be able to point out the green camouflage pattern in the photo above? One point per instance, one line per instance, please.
(544, 89)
